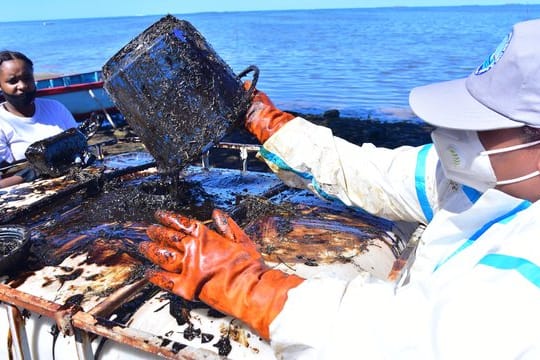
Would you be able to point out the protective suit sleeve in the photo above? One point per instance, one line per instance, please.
(477, 306)
(383, 182)
(361, 319)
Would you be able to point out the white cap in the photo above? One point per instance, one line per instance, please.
(504, 92)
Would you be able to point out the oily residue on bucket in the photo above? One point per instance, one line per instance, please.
(177, 94)
(7, 246)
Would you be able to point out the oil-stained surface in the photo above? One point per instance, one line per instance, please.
(299, 233)
(188, 323)
(175, 91)
(89, 242)
(16, 200)
(84, 247)
(313, 236)
(27, 197)
(138, 199)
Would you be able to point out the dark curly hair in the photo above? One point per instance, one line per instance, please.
(6, 55)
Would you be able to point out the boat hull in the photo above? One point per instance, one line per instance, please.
(82, 94)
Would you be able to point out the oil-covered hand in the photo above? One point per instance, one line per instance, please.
(221, 268)
(263, 119)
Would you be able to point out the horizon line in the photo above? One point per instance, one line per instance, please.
(272, 10)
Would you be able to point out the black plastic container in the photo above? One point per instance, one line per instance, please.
(55, 155)
(175, 91)
(14, 247)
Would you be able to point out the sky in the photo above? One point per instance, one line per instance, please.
(72, 9)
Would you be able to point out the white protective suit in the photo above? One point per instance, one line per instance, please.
(474, 289)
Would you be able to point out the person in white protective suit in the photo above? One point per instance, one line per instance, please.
(474, 288)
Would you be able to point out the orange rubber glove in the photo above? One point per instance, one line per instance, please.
(222, 269)
(263, 119)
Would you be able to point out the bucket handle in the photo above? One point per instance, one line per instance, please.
(255, 70)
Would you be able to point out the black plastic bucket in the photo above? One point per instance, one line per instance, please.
(55, 155)
(175, 91)
(14, 247)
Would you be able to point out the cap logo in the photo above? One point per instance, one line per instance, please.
(454, 156)
(496, 56)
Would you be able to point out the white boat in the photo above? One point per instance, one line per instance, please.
(81, 93)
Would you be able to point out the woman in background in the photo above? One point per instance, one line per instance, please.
(23, 118)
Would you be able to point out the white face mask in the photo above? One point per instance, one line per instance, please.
(464, 159)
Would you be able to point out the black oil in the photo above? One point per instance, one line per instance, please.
(180, 309)
(176, 347)
(54, 332)
(191, 332)
(206, 338)
(74, 300)
(8, 245)
(165, 342)
(256, 207)
(138, 201)
(69, 276)
(224, 346)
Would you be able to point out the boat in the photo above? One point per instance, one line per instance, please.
(83, 93)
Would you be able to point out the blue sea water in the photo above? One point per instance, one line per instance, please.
(362, 62)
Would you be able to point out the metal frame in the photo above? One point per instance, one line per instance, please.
(73, 321)
(244, 149)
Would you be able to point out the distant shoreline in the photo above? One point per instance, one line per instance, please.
(358, 130)
(353, 129)
(46, 75)
(51, 21)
